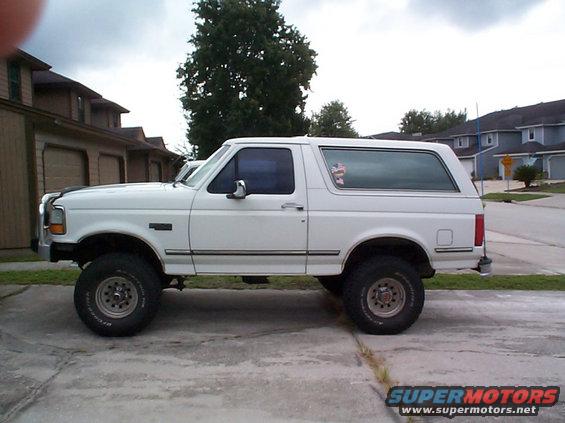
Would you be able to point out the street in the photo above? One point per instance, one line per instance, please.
(527, 238)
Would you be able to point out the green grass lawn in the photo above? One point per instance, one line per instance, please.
(553, 188)
(20, 258)
(505, 196)
(443, 281)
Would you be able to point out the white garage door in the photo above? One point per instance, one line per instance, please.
(63, 168)
(468, 164)
(110, 169)
(557, 167)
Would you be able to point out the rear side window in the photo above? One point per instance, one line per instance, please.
(357, 168)
(264, 170)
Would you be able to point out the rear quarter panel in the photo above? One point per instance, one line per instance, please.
(340, 219)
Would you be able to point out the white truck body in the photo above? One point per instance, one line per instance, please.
(312, 230)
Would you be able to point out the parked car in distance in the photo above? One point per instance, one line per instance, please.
(368, 218)
(188, 169)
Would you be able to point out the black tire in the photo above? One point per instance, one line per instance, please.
(333, 284)
(141, 282)
(381, 285)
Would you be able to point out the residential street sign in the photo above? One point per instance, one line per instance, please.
(507, 163)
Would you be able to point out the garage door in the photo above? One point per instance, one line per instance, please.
(155, 172)
(468, 164)
(63, 167)
(557, 167)
(110, 169)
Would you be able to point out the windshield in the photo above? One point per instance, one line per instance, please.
(201, 172)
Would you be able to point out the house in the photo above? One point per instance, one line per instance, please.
(148, 159)
(55, 132)
(532, 134)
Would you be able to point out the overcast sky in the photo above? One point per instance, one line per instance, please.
(380, 57)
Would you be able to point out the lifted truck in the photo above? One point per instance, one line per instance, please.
(368, 218)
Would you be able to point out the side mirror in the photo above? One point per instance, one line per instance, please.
(240, 191)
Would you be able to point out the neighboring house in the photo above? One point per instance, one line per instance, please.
(531, 135)
(148, 159)
(54, 133)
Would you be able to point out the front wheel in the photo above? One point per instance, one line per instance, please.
(383, 295)
(117, 294)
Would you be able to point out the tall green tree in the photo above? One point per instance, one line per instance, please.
(422, 121)
(246, 75)
(333, 120)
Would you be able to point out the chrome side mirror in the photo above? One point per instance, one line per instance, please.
(240, 191)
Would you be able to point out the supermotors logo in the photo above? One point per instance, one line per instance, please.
(452, 401)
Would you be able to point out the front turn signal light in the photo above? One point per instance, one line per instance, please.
(57, 229)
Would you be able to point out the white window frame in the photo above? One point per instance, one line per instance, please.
(531, 134)
(490, 139)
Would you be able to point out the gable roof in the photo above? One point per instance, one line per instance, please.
(33, 62)
(50, 79)
(508, 120)
(104, 103)
(157, 142)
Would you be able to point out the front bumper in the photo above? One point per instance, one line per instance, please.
(41, 244)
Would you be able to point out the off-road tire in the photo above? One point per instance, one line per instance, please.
(333, 284)
(137, 274)
(360, 283)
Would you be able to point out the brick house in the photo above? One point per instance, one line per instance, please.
(55, 132)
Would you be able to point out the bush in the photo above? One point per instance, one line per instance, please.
(526, 174)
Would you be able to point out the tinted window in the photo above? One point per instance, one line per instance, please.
(382, 169)
(264, 170)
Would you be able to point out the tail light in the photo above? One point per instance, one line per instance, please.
(479, 229)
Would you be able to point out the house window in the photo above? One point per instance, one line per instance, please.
(531, 134)
(15, 81)
(81, 113)
(461, 143)
(489, 139)
(116, 120)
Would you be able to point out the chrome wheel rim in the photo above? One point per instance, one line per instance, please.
(386, 297)
(116, 297)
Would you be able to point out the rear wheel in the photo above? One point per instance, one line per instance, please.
(333, 284)
(383, 295)
(117, 294)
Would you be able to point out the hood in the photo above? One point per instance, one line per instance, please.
(152, 195)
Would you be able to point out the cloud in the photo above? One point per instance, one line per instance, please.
(474, 15)
(75, 33)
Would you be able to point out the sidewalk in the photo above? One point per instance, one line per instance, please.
(36, 265)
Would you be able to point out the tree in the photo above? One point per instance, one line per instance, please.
(422, 121)
(247, 74)
(525, 174)
(333, 120)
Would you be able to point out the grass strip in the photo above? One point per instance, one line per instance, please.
(506, 196)
(441, 281)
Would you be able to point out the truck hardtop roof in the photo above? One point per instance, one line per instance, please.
(340, 142)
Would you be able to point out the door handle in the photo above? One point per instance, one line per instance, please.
(292, 206)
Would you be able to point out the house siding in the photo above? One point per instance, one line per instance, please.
(15, 213)
(538, 135)
(27, 86)
(4, 92)
(54, 101)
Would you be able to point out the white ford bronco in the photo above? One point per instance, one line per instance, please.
(368, 218)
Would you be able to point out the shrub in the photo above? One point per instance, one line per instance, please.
(526, 174)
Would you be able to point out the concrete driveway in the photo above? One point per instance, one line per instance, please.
(265, 355)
